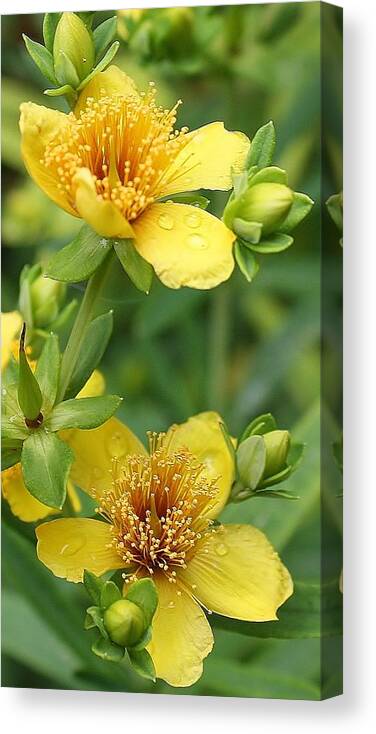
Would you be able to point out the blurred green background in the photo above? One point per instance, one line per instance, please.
(240, 349)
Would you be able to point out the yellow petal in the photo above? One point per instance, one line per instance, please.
(236, 572)
(94, 386)
(73, 497)
(207, 161)
(107, 83)
(38, 126)
(203, 436)
(11, 323)
(21, 502)
(102, 215)
(185, 245)
(94, 451)
(182, 637)
(69, 546)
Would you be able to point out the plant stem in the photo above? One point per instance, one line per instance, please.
(82, 321)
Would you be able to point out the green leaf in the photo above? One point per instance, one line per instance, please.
(301, 206)
(11, 454)
(142, 663)
(274, 243)
(271, 174)
(65, 70)
(93, 585)
(29, 394)
(64, 90)
(262, 147)
(92, 349)
(48, 371)
(259, 425)
(96, 617)
(145, 639)
(46, 461)
(192, 199)
(144, 594)
(109, 594)
(103, 35)
(246, 261)
(107, 58)
(227, 437)
(50, 22)
(251, 456)
(13, 425)
(41, 57)
(81, 258)
(335, 208)
(138, 270)
(84, 413)
(64, 316)
(107, 650)
(248, 231)
(313, 610)
(240, 184)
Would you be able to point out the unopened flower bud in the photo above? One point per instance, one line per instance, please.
(124, 622)
(46, 298)
(277, 444)
(267, 203)
(73, 50)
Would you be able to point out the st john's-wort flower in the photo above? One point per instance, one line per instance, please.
(113, 159)
(158, 510)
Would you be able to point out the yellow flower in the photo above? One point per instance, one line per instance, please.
(11, 323)
(112, 160)
(159, 510)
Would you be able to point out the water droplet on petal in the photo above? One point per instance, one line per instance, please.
(115, 445)
(196, 241)
(74, 546)
(171, 605)
(221, 549)
(4, 392)
(165, 221)
(193, 220)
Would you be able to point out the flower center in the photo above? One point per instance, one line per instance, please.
(158, 508)
(127, 143)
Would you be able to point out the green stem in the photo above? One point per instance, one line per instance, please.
(82, 321)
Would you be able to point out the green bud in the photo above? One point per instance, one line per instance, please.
(73, 50)
(29, 394)
(277, 444)
(124, 622)
(47, 296)
(267, 203)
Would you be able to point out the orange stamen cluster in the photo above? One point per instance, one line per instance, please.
(158, 507)
(127, 143)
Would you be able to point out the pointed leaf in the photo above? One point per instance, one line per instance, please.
(103, 35)
(142, 663)
(248, 231)
(138, 270)
(274, 243)
(259, 426)
(270, 174)
(79, 260)
(301, 206)
(95, 614)
(107, 58)
(262, 147)
(41, 57)
(109, 594)
(10, 455)
(144, 594)
(65, 89)
(246, 261)
(13, 425)
(93, 585)
(251, 456)
(84, 413)
(50, 22)
(92, 349)
(29, 394)
(46, 461)
(107, 650)
(48, 371)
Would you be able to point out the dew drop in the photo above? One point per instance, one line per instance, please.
(4, 392)
(193, 220)
(165, 221)
(221, 549)
(13, 418)
(196, 241)
(171, 605)
(115, 445)
(75, 545)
